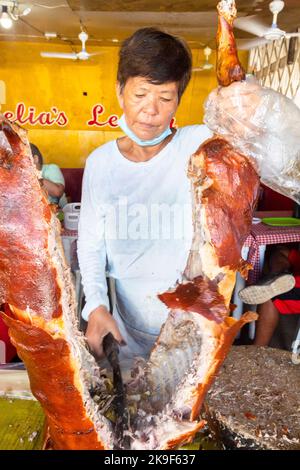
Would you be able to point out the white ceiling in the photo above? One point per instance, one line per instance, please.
(105, 21)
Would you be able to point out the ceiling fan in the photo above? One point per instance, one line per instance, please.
(253, 25)
(82, 55)
(206, 65)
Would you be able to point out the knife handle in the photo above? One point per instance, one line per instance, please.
(110, 347)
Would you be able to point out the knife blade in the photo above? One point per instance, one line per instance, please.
(111, 351)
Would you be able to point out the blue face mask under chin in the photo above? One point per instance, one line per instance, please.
(143, 143)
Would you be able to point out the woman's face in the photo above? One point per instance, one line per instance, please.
(148, 108)
(37, 162)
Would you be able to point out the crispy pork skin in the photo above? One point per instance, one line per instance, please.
(166, 392)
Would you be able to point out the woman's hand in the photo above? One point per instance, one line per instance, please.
(53, 189)
(100, 323)
(240, 97)
(237, 109)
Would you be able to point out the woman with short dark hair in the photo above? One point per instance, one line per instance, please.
(157, 56)
(136, 216)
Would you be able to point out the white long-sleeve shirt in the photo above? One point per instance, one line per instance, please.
(136, 223)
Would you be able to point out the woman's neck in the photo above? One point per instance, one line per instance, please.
(136, 153)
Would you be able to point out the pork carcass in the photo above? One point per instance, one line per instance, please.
(166, 392)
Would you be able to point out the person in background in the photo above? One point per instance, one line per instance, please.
(277, 294)
(52, 178)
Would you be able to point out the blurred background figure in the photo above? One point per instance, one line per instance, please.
(51, 179)
(278, 298)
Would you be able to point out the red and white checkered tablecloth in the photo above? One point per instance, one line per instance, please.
(69, 233)
(249, 240)
(263, 234)
(269, 235)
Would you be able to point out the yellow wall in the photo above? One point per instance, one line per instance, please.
(46, 83)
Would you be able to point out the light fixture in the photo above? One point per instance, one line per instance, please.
(26, 11)
(207, 51)
(5, 19)
(11, 10)
(50, 34)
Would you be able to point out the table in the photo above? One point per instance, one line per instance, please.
(263, 235)
(253, 251)
(69, 239)
(240, 281)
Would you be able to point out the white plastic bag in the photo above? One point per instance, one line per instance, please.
(263, 125)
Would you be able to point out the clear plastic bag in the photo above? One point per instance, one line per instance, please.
(263, 125)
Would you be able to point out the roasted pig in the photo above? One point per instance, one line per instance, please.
(165, 393)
